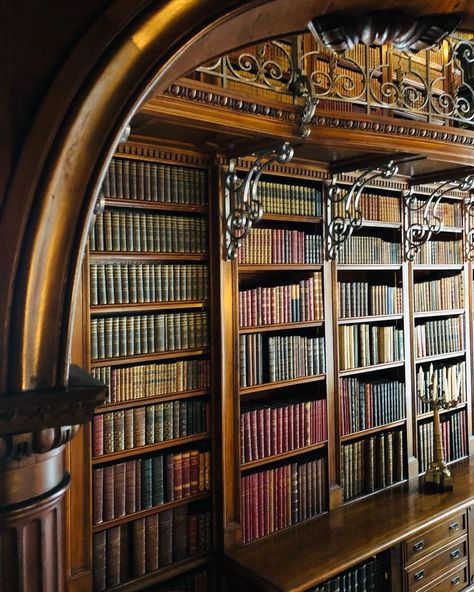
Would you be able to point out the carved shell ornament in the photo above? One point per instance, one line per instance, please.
(341, 32)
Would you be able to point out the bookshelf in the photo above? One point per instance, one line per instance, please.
(150, 309)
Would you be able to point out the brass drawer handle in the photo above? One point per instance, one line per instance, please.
(455, 554)
(418, 546)
(455, 581)
(419, 575)
(454, 526)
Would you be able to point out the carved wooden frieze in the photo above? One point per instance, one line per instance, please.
(341, 32)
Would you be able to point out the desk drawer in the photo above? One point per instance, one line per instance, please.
(455, 581)
(426, 541)
(442, 560)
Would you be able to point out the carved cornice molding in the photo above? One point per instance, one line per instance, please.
(55, 408)
(18, 446)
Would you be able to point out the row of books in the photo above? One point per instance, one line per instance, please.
(278, 427)
(199, 581)
(372, 463)
(448, 379)
(126, 429)
(441, 336)
(131, 283)
(143, 381)
(440, 294)
(282, 304)
(152, 181)
(366, 577)
(275, 245)
(439, 253)
(450, 214)
(282, 496)
(148, 544)
(369, 345)
(114, 337)
(293, 200)
(369, 250)
(359, 299)
(367, 404)
(124, 488)
(382, 208)
(128, 231)
(453, 435)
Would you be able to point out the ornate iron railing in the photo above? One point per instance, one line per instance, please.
(436, 85)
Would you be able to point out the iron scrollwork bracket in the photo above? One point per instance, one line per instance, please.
(341, 224)
(421, 216)
(303, 86)
(243, 206)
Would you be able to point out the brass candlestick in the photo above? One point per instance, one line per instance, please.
(438, 476)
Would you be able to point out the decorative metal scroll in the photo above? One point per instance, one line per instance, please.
(343, 206)
(469, 227)
(303, 87)
(421, 215)
(244, 208)
(435, 85)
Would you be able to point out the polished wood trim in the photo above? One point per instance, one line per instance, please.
(438, 267)
(267, 386)
(258, 268)
(156, 357)
(139, 450)
(293, 218)
(369, 319)
(382, 267)
(422, 416)
(439, 313)
(374, 430)
(151, 511)
(114, 256)
(140, 204)
(375, 368)
(456, 354)
(281, 326)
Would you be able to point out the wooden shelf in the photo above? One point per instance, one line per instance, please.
(368, 267)
(439, 313)
(293, 218)
(422, 416)
(150, 400)
(456, 354)
(258, 268)
(150, 511)
(147, 306)
(141, 204)
(370, 319)
(169, 355)
(364, 496)
(116, 256)
(380, 224)
(374, 430)
(438, 267)
(281, 326)
(139, 450)
(165, 573)
(277, 457)
(376, 368)
(267, 386)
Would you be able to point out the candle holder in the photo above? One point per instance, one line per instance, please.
(438, 477)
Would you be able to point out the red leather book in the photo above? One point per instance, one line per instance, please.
(108, 511)
(113, 556)
(166, 537)
(261, 433)
(186, 473)
(151, 543)
(195, 460)
(294, 494)
(98, 493)
(253, 434)
(279, 430)
(244, 507)
(99, 556)
(138, 484)
(169, 479)
(178, 475)
(130, 487)
(268, 431)
(192, 535)
(125, 549)
(285, 429)
(108, 433)
(98, 437)
(139, 547)
(298, 422)
(129, 429)
(274, 424)
(119, 490)
(180, 543)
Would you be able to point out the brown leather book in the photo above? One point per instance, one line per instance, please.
(152, 546)
(180, 520)
(139, 546)
(166, 537)
(98, 491)
(119, 490)
(99, 554)
(108, 511)
(113, 556)
(130, 487)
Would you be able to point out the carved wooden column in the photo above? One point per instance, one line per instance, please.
(33, 482)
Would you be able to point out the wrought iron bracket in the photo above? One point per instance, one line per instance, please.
(340, 225)
(243, 208)
(421, 216)
(303, 86)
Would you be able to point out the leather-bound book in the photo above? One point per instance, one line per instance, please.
(139, 546)
(99, 553)
(113, 556)
(180, 519)
(166, 537)
(98, 492)
(108, 511)
(119, 490)
(130, 487)
(152, 546)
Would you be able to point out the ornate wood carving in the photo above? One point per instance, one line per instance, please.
(341, 32)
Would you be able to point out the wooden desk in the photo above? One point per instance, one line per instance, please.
(308, 554)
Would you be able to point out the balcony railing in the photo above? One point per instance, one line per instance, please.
(435, 86)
